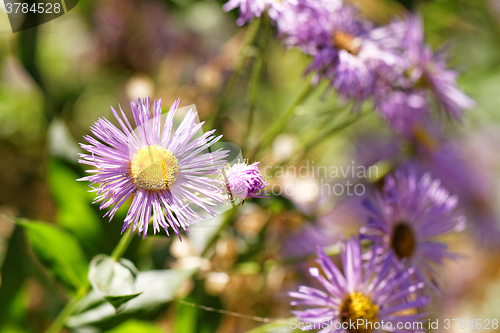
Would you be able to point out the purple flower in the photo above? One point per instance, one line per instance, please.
(468, 167)
(167, 172)
(249, 9)
(405, 112)
(367, 294)
(407, 218)
(347, 51)
(310, 24)
(428, 71)
(243, 181)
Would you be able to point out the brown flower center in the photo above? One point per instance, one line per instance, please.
(345, 41)
(403, 240)
(154, 168)
(358, 306)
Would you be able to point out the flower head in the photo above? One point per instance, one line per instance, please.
(405, 112)
(347, 50)
(359, 293)
(249, 9)
(407, 218)
(167, 172)
(243, 181)
(429, 71)
(310, 24)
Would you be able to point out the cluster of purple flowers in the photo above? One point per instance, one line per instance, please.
(390, 64)
(389, 281)
(394, 68)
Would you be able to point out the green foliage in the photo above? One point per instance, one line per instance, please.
(136, 326)
(185, 318)
(113, 279)
(157, 287)
(59, 250)
(275, 327)
(75, 212)
(13, 273)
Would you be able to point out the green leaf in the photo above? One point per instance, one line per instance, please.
(13, 329)
(114, 280)
(13, 274)
(158, 287)
(75, 212)
(282, 326)
(59, 250)
(186, 317)
(136, 326)
(118, 301)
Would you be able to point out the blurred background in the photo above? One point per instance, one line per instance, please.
(58, 78)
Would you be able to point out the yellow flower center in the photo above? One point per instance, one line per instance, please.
(345, 41)
(403, 240)
(154, 168)
(358, 306)
(425, 138)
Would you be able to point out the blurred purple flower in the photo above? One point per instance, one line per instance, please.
(347, 51)
(468, 167)
(162, 169)
(404, 112)
(309, 24)
(249, 9)
(408, 215)
(358, 294)
(428, 71)
(243, 181)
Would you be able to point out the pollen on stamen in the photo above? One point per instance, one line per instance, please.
(154, 168)
(345, 41)
(358, 306)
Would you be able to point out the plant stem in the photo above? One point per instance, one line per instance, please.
(281, 122)
(122, 246)
(66, 312)
(68, 309)
(331, 131)
(256, 71)
(306, 148)
(254, 80)
(227, 220)
(249, 38)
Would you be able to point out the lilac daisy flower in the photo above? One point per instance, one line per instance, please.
(308, 24)
(243, 181)
(405, 112)
(347, 51)
(249, 9)
(358, 294)
(409, 215)
(167, 172)
(428, 71)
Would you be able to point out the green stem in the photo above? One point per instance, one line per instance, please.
(254, 80)
(249, 38)
(256, 71)
(227, 220)
(122, 246)
(68, 310)
(331, 131)
(306, 148)
(281, 122)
